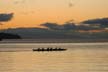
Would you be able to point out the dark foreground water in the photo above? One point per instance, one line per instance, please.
(80, 57)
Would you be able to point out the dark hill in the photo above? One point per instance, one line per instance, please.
(9, 36)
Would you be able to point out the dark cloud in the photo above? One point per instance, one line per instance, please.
(102, 21)
(6, 17)
(85, 27)
(55, 26)
(69, 26)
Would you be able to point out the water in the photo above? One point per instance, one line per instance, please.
(80, 57)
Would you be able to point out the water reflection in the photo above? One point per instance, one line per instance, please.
(73, 60)
(6, 61)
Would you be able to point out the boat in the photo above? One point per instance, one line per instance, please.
(49, 49)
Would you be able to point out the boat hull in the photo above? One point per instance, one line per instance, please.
(49, 49)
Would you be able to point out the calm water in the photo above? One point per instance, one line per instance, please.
(80, 57)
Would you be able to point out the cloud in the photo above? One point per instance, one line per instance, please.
(55, 26)
(85, 27)
(6, 17)
(69, 26)
(102, 21)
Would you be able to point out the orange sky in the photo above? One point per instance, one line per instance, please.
(31, 13)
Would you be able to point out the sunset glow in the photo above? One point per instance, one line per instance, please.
(32, 13)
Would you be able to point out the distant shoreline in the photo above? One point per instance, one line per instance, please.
(54, 41)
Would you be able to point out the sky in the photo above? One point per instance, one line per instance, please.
(32, 13)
